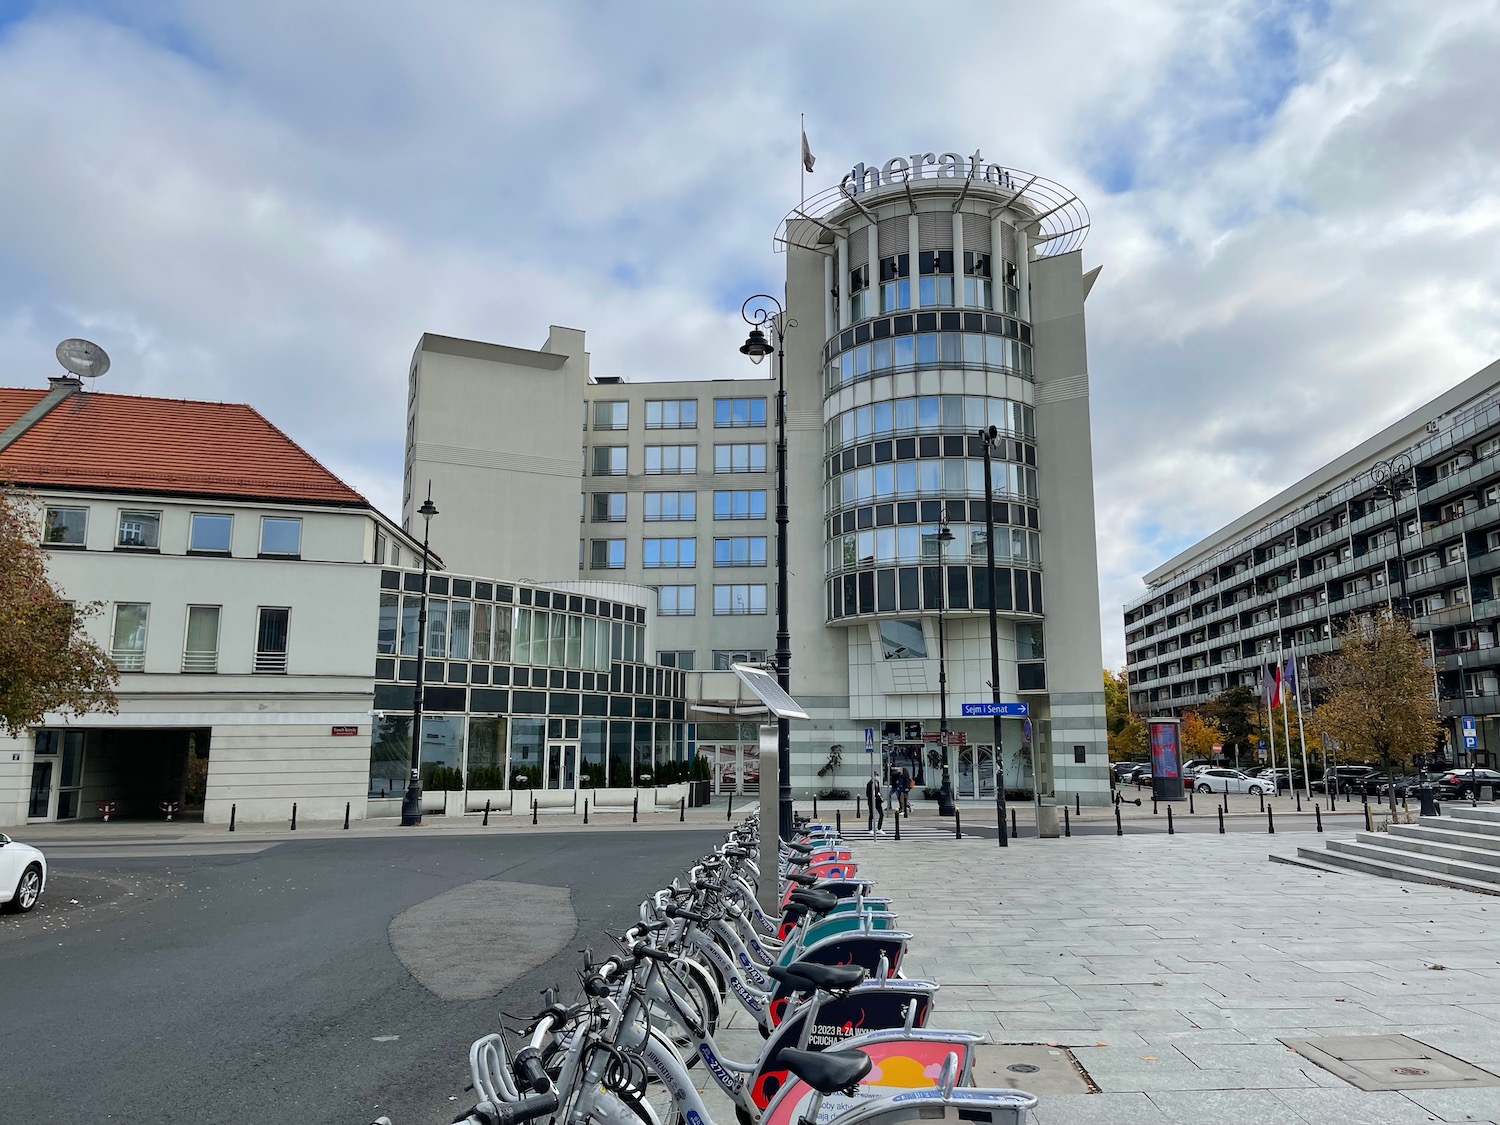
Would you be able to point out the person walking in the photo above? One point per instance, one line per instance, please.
(877, 806)
(904, 789)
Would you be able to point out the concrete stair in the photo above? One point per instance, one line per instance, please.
(1459, 849)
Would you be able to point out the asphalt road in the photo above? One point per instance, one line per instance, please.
(264, 986)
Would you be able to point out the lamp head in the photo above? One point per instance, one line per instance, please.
(756, 346)
(428, 509)
(945, 535)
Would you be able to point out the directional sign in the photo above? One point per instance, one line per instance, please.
(1471, 733)
(869, 740)
(985, 710)
(953, 737)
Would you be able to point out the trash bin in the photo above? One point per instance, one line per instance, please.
(1424, 795)
(1046, 818)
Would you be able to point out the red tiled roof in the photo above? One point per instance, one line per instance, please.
(141, 444)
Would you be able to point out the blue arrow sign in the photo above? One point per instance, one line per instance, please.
(1009, 710)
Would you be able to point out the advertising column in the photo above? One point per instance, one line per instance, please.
(1166, 759)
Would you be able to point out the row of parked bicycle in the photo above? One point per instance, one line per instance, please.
(1358, 781)
(846, 1035)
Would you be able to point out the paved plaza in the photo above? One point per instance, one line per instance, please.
(1174, 966)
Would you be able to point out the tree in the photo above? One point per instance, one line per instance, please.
(1379, 700)
(48, 663)
(1127, 734)
(1236, 712)
(1199, 735)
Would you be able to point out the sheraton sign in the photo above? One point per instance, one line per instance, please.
(919, 165)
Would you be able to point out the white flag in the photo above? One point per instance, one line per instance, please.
(807, 156)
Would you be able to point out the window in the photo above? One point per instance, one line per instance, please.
(671, 414)
(902, 640)
(740, 505)
(671, 459)
(740, 458)
(1454, 553)
(200, 650)
(739, 600)
(271, 627)
(609, 460)
(677, 601)
(737, 413)
(895, 284)
(607, 554)
(741, 550)
(139, 529)
(280, 536)
(611, 415)
(379, 547)
(210, 532)
(671, 506)
(679, 658)
(609, 507)
(663, 553)
(935, 287)
(724, 657)
(389, 624)
(128, 644)
(65, 527)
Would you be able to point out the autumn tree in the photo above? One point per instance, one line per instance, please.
(1200, 734)
(1378, 701)
(1127, 734)
(47, 662)
(1236, 712)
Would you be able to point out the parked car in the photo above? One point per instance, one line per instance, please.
(1378, 784)
(1218, 779)
(1348, 778)
(23, 875)
(1196, 764)
(1460, 783)
(1124, 771)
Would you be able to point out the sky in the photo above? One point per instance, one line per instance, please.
(1296, 205)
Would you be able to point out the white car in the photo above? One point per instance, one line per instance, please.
(23, 875)
(1219, 780)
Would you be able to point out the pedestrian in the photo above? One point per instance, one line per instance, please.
(904, 788)
(893, 797)
(877, 806)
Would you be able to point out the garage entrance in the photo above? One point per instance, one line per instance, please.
(75, 773)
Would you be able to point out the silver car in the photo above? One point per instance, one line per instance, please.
(1221, 780)
(23, 875)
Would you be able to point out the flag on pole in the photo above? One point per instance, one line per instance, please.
(807, 157)
(1289, 675)
(1270, 683)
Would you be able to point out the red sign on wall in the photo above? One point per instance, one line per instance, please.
(344, 730)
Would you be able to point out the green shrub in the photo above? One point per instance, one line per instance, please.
(435, 778)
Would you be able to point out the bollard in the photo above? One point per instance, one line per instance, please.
(1013, 832)
(1170, 830)
(1119, 827)
(856, 807)
(1153, 804)
(1271, 822)
(486, 823)
(232, 809)
(346, 816)
(1190, 801)
(294, 816)
(533, 810)
(1067, 823)
(958, 831)
(1366, 799)
(1078, 803)
(585, 810)
(838, 821)
(898, 822)
(635, 809)
(1318, 816)
(729, 812)
(1369, 820)
(1262, 795)
(815, 806)
(681, 810)
(1298, 792)
(1221, 822)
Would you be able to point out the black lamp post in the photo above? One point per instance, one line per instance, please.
(411, 804)
(945, 791)
(1392, 477)
(987, 438)
(757, 347)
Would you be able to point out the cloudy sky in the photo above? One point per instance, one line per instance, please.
(1296, 205)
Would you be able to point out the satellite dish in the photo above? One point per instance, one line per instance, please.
(81, 357)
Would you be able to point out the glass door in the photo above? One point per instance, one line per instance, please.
(964, 779)
(70, 784)
(40, 806)
(562, 765)
(985, 770)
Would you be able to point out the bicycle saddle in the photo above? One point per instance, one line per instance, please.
(819, 902)
(827, 1072)
(829, 977)
(798, 846)
(805, 878)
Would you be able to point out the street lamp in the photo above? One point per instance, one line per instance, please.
(987, 438)
(411, 804)
(1392, 477)
(945, 791)
(757, 347)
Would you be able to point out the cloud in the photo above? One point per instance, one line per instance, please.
(1293, 203)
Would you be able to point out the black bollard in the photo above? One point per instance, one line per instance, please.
(898, 822)
(1262, 793)
(232, 809)
(1170, 830)
(1119, 827)
(958, 831)
(486, 823)
(1318, 816)
(1078, 803)
(585, 810)
(815, 806)
(1271, 822)
(1299, 799)
(1067, 823)
(838, 821)
(856, 807)
(1014, 834)
(533, 810)
(1190, 801)
(681, 810)
(346, 816)
(294, 816)
(1153, 804)
(1221, 822)
(635, 809)
(729, 812)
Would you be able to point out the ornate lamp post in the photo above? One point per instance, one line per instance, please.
(945, 791)
(987, 438)
(757, 347)
(411, 804)
(1392, 477)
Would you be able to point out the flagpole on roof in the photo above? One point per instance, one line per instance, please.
(802, 159)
